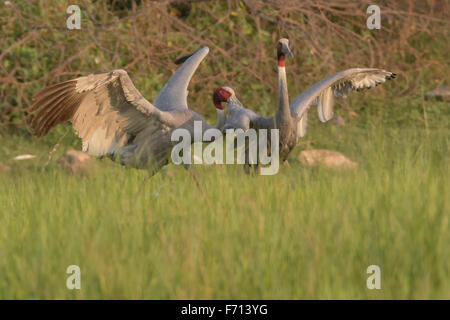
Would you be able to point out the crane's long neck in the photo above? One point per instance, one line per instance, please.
(283, 112)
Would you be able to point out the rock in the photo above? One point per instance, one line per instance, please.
(327, 158)
(76, 161)
(338, 121)
(441, 93)
(25, 157)
(4, 168)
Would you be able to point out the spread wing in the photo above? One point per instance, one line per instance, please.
(105, 109)
(339, 84)
(174, 93)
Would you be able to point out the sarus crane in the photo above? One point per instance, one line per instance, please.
(291, 118)
(112, 118)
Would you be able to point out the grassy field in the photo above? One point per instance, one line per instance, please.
(303, 233)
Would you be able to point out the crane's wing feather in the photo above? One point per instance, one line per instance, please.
(174, 93)
(105, 109)
(339, 84)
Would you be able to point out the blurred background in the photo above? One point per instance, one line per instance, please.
(144, 37)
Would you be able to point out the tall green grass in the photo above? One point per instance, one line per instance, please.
(303, 233)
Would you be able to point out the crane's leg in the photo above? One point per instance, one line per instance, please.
(248, 166)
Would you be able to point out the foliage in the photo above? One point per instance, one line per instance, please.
(145, 37)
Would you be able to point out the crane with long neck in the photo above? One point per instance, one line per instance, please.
(284, 121)
(113, 118)
(291, 118)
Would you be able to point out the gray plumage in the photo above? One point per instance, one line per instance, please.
(113, 118)
(243, 118)
(339, 84)
(174, 93)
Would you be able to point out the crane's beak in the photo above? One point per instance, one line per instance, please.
(286, 50)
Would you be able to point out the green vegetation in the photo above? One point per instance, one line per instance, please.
(303, 233)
